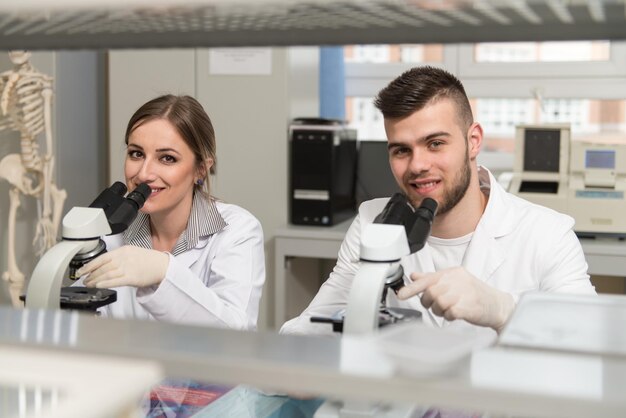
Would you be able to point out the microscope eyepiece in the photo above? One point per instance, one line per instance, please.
(119, 210)
(417, 222)
(420, 231)
(118, 188)
(430, 205)
(126, 211)
(397, 211)
(140, 194)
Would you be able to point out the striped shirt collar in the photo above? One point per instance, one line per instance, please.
(205, 220)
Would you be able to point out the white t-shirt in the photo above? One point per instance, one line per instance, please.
(449, 253)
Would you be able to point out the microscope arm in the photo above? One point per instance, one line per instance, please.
(364, 299)
(382, 246)
(44, 288)
(82, 229)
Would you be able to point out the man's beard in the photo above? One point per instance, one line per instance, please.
(453, 196)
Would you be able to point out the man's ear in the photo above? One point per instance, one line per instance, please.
(474, 140)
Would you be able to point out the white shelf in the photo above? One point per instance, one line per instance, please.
(70, 24)
(502, 380)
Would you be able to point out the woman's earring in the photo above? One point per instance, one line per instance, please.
(199, 182)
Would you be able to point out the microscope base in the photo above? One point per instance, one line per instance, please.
(83, 298)
(386, 316)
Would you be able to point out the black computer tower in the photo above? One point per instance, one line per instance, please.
(322, 172)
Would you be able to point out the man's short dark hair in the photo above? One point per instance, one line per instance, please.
(420, 86)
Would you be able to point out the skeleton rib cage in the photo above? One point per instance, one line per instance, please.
(21, 104)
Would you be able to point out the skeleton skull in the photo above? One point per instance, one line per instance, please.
(19, 57)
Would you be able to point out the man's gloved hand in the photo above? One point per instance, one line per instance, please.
(126, 266)
(456, 294)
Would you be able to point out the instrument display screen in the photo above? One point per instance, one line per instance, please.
(600, 159)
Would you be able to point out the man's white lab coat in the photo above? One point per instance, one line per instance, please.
(517, 247)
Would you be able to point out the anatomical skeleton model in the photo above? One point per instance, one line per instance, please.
(25, 107)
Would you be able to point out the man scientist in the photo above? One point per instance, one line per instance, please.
(487, 247)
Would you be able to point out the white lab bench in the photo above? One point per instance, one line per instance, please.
(579, 375)
(605, 256)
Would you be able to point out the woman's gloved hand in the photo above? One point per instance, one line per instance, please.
(456, 294)
(126, 266)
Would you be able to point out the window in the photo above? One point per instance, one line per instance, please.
(588, 118)
(394, 53)
(363, 115)
(508, 84)
(542, 51)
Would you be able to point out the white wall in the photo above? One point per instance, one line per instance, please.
(81, 156)
(250, 114)
(136, 76)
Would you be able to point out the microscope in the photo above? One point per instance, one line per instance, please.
(399, 230)
(110, 213)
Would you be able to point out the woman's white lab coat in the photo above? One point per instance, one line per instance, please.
(217, 283)
(517, 247)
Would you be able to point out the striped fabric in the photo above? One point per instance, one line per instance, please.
(204, 220)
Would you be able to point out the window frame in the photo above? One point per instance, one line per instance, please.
(615, 66)
(596, 80)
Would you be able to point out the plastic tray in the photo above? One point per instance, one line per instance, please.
(418, 349)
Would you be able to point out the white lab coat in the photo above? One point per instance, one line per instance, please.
(217, 283)
(517, 247)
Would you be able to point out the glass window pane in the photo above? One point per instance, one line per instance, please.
(562, 51)
(498, 117)
(363, 116)
(411, 53)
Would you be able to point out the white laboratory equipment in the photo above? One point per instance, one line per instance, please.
(110, 213)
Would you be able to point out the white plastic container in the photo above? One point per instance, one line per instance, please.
(419, 350)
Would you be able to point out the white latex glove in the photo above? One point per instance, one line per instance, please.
(126, 266)
(456, 294)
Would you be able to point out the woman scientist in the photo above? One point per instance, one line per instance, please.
(187, 257)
